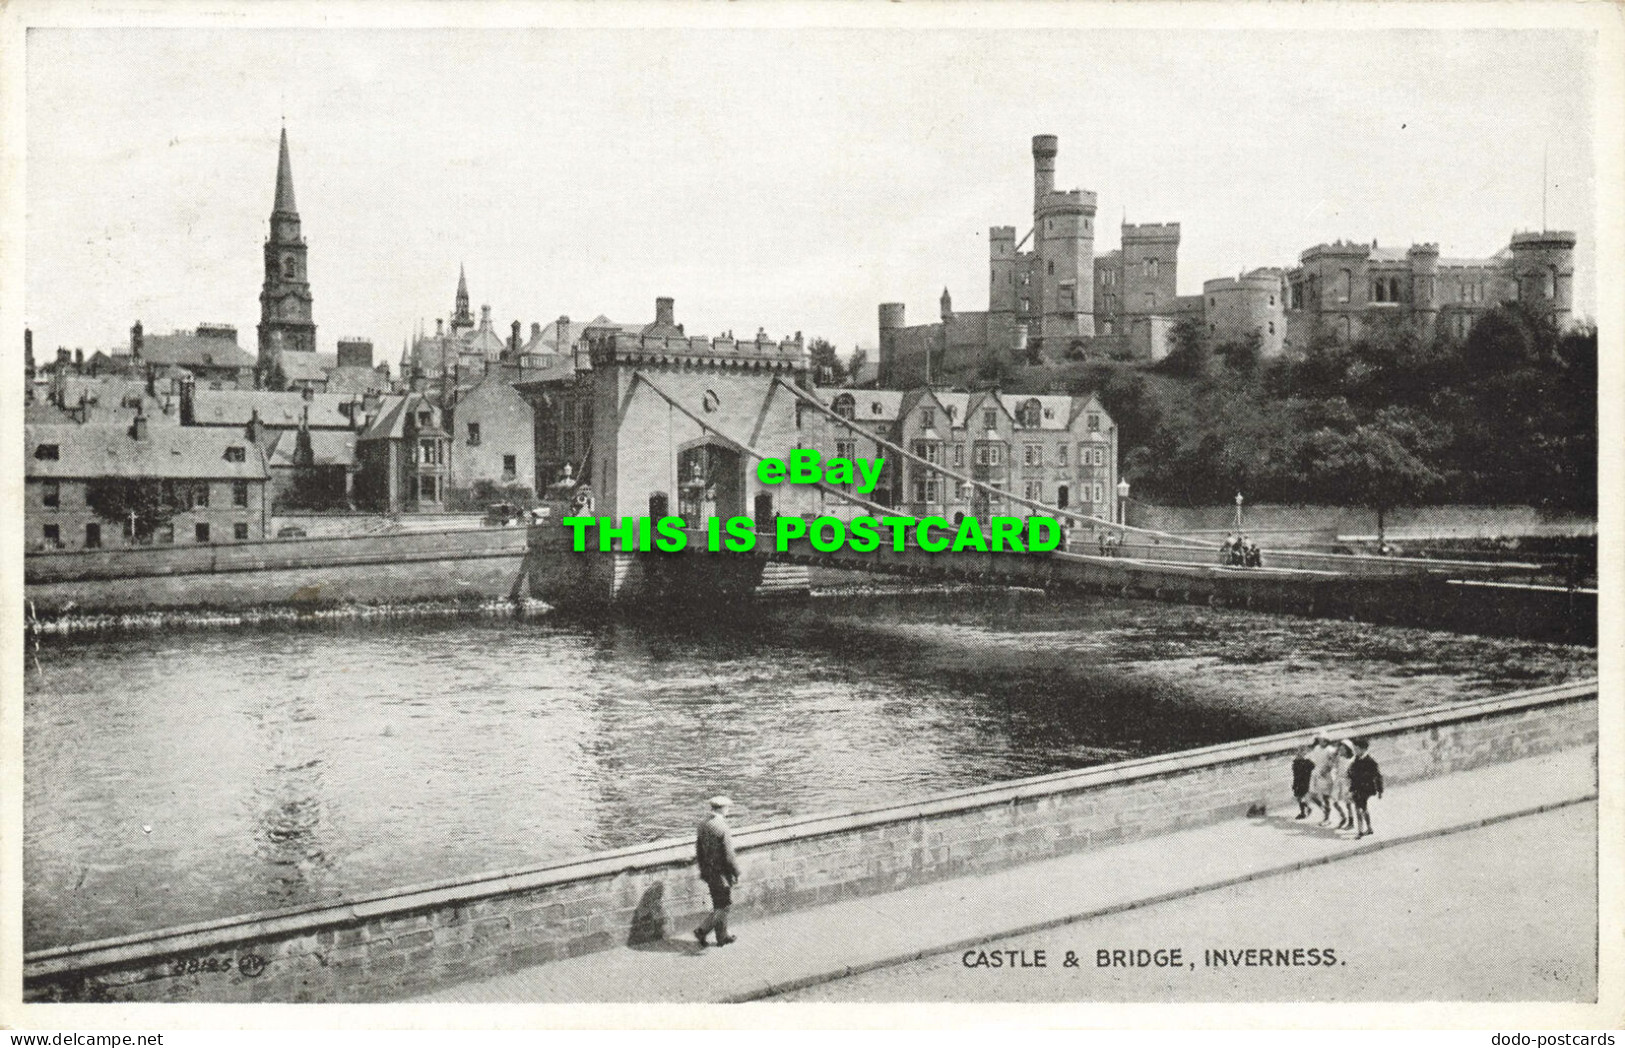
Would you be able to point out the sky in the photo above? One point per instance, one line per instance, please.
(789, 180)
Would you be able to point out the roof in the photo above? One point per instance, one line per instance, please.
(189, 350)
(1055, 412)
(300, 366)
(484, 341)
(327, 448)
(354, 379)
(869, 405)
(234, 407)
(393, 415)
(169, 452)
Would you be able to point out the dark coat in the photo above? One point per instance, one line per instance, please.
(1302, 769)
(714, 851)
(1365, 778)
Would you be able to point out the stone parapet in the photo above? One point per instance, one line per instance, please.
(396, 943)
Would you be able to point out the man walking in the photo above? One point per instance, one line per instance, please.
(719, 869)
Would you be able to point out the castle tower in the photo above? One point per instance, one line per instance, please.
(462, 318)
(1425, 298)
(1543, 266)
(891, 323)
(1150, 268)
(285, 315)
(1064, 263)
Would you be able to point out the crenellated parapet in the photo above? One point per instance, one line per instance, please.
(761, 353)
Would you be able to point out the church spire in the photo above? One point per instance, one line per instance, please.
(462, 317)
(284, 181)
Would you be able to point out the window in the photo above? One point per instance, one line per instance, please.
(1093, 422)
(959, 454)
(236, 453)
(1272, 300)
(990, 419)
(1100, 456)
(428, 489)
(1060, 455)
(875, 408)
(1032, 454)
(51, 494)
(93, 536)
(1272, 327)
(996, 495)
(288, 269)
(845, 406)
(929, 450)
(200, 494)
(928, 418)
(425, 419)
(52, 534)
(201, 532)
(994, 454)
(473, 434)
(510, 466)
(1150, 301)
(1033, 490)
(429, 453)
(925, 490)
(239, 532)
(1051, 267)
(48, 452)
(1345, 284)
(847, 449)
(1100, 494)
(1030, 413)
(1378, 291)
(1026, 305)
(239, 493)
(1551, 281)
(1151, 268)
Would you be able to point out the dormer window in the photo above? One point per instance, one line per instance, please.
(845, 406)
(236, 453)
(875, 408)
(425, 419)
(928, 418)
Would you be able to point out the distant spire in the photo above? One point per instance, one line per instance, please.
(284, 180)
(461, 317)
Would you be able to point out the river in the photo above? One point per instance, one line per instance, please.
(176, 776)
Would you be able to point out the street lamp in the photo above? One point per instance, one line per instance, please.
(1122, 502)
(1238, 511)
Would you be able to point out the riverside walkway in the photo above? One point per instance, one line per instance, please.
(1445, 831)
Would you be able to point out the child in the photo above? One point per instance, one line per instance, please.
(1302, 769)
(1342, 796)
(1323, 781)
(1365, 781)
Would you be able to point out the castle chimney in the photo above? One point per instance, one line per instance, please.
(513, 340)
(665, 312)
(28, 348)
(535, 331)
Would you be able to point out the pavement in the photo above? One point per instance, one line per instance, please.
(790, 952)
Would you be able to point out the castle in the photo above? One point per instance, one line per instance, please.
(1054, 299)
(1057, 300)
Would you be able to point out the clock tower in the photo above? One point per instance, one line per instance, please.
(285, 323)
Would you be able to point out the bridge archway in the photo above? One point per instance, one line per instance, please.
(711, 481)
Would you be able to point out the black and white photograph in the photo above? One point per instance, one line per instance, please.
(831, 513)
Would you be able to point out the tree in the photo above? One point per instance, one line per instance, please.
(854, 367)
(141, 503)
(1383, 463)
(1190, 354)
(827, 367)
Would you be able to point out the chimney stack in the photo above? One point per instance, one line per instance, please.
(137, 340)
(439, 327)
(665, 313)
(252, 430)
(513, 340)
(138, 429)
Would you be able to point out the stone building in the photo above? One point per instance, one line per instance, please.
(215, 479)
(403, 456)
(1250, 304)
(1343, 289)
(1053, 298)
(308, 438)
(286, 328)
(493, 436)
(209, 354)
(1060, 451)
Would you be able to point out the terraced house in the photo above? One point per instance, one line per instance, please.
(97, 486)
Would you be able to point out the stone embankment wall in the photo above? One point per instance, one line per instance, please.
(1277, 525)
(468, 564)
(392, 944)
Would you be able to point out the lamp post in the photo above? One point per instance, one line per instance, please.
(1122, 502)
(1238, 511)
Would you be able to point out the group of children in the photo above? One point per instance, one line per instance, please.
(1341, 776)
(1240, 551)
